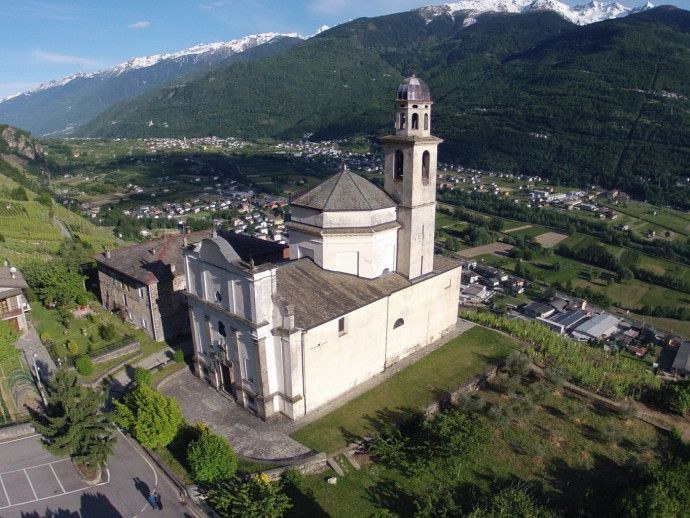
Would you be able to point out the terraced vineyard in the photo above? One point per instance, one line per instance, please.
(28, 230)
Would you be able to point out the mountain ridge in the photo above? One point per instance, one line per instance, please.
(57, 107)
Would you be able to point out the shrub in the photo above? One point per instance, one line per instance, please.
(179, 356)
(107, 332)
(506, 383)
(84, 365)
(211, 459)
(142, 376)
(73, 347)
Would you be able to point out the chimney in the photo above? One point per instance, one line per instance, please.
(107, 253)
(153, 251)
(172, 268)
(13, 272)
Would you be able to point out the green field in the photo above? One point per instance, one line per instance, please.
(409, 390)
(567, 448)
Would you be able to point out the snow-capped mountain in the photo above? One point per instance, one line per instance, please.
(580, 14)
(223, 49)
(59, 107)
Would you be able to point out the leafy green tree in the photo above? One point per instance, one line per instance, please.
(153, 418)
(8, 335)
(84, 365)
(255, 498)
(74, 422)
(142, 376)
(54, 284)
(676, 396)
(665, 493)
(211, 458)
(452, 243)
(107, 332)
(45, 199)
(19, 194)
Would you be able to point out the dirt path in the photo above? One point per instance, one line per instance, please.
(500, 249)
(523, 227)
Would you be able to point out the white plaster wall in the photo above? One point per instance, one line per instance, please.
(375, 253)
(429, 308)
(334, 363)
(306, 216)
(358, 218)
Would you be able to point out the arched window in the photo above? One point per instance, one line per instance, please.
(426, 121)
(398, 323)
(398, 166)
(415, 121)
(425, 167)
(221, 329)
(403, 121)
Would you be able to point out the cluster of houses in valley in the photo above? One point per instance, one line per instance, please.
(330, 152)
(203, 143)
(574, 317)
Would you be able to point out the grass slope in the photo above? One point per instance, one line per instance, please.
(410, 390)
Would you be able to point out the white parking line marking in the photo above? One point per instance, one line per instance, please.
(32, 467)
(30, 484)
(20, 439)
(5, 491)
(55, 496)
(56, 477)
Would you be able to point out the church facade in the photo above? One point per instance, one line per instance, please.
(362, 288)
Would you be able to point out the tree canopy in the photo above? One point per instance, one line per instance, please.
(74, 422)
(153, 418)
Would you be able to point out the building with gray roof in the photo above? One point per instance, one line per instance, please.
(362, 288)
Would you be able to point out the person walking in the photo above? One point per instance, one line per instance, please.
(153, 499)
(158, 500)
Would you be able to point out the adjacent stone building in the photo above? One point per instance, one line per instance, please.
(145, 283)
(362, 288)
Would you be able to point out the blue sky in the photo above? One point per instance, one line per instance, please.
(51, 39)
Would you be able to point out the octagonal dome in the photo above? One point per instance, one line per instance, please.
(413, 89)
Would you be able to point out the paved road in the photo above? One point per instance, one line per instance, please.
(34, 484)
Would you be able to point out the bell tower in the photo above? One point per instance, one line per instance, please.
(410, 177)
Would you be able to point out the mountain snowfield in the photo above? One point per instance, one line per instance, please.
(579, 14)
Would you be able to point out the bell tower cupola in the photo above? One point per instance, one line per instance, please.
(410, 176)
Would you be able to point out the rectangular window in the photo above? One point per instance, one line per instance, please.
(341, 326)
(124, 299)
(248, 370)
(141, 293)
(144, 324)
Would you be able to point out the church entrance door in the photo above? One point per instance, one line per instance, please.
(226, 373)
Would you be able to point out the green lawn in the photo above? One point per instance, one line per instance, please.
(411, 389)
(562, 448)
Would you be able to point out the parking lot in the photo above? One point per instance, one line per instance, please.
(32, 482)
(35, 483)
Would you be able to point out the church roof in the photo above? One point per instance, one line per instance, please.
(344, 191)
(319, 296)
(250, 248)
(150, 262)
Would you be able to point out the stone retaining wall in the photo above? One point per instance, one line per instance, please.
(122, 351)
(16, 430)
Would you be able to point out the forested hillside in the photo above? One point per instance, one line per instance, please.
(529, 93)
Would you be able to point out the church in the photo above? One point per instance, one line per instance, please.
(361, 290)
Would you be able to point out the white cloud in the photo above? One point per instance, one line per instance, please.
(212, 5)
(139, 25)
(53, 57)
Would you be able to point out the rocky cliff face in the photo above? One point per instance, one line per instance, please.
(20, 143)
